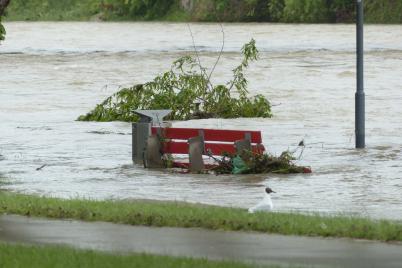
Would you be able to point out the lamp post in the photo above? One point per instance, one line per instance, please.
(360, 96)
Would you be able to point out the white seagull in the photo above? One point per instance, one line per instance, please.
(265, 204)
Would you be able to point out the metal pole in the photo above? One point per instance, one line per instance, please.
(360, 96)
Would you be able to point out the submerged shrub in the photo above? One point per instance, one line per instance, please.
(187, 90)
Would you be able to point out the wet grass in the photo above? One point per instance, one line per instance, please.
(14, 256)
(177, 214)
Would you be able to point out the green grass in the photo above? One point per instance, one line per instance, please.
(15, 256)
(175, 214)
(82, 10)
(45, 10)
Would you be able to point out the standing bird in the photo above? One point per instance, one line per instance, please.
(265, 204)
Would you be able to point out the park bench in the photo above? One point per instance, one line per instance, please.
(158, 145)
(198, 142)
(153, 140)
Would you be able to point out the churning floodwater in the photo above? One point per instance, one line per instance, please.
(50, 73)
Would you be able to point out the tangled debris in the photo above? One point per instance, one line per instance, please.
(251, 163)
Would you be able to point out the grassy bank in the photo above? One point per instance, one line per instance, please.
(14, 256)
(288, 11)
(174, 214)
(81, 10)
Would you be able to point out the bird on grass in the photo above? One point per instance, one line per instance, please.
(265, 204)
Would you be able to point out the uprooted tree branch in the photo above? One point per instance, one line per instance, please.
(187, 90)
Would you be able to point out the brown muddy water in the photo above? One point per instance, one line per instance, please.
(53, 72)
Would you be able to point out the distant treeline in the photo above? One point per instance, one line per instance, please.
(287, 11)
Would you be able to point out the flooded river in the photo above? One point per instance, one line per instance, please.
(50, 73)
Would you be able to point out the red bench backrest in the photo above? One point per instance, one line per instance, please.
(217, 141)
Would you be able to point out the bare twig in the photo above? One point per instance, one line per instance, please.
(301, 153)
(196, 51)
(276, 104)
(220, 53)
(203, 72)
(41, 167)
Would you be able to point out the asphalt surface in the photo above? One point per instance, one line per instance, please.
(199, 243)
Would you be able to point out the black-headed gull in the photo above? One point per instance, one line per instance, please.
(265, 204)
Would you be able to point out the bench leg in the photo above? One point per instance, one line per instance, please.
(195, 152)
(242, 145)
(153, 156)
(141, 132)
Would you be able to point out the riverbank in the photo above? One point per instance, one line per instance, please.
(177, 214)
(12, 256)
(287, 11)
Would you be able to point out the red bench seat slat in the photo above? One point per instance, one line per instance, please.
(209, 134)
(176, 147)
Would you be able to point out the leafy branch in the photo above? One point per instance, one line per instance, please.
(187, 91)
(250, 53)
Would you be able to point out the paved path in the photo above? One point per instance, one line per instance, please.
(258, 248)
